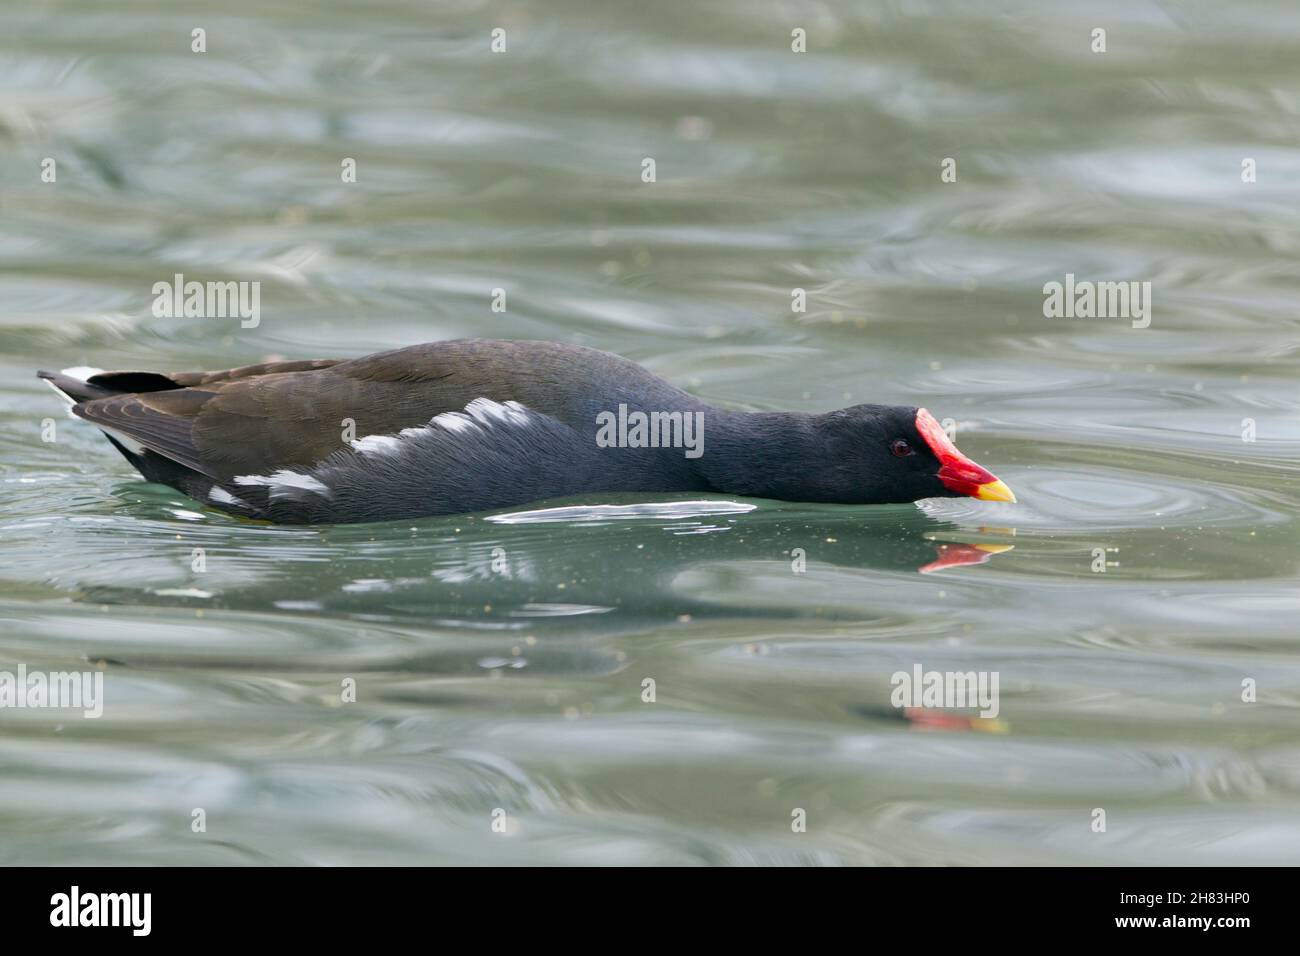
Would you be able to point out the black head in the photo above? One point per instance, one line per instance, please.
(883, 454)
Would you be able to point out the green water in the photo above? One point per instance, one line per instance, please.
(499, 660)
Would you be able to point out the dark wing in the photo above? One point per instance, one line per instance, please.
(260, 418)
(160, 421)
(189, 379)
(256, 424)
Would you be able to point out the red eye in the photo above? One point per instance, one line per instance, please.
(901, 448)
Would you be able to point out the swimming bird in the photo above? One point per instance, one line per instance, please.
(479, 424)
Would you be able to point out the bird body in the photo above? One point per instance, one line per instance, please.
(478, 424)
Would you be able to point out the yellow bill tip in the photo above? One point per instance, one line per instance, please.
(995, 490)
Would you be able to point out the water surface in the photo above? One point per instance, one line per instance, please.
(499, 660)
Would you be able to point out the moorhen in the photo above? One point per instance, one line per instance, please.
(478, 424)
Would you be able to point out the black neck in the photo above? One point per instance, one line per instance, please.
(766, 455)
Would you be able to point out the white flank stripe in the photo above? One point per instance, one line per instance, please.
(486, 410)
(377, 445)
(480, 412)
(454, 421)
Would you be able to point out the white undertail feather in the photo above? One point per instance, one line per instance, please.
(81, 373)
(67, 399)
(126, 441)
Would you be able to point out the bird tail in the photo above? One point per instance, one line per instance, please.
(73, 386)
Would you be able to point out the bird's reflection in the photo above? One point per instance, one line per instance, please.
(959, 555)
(587, 566)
